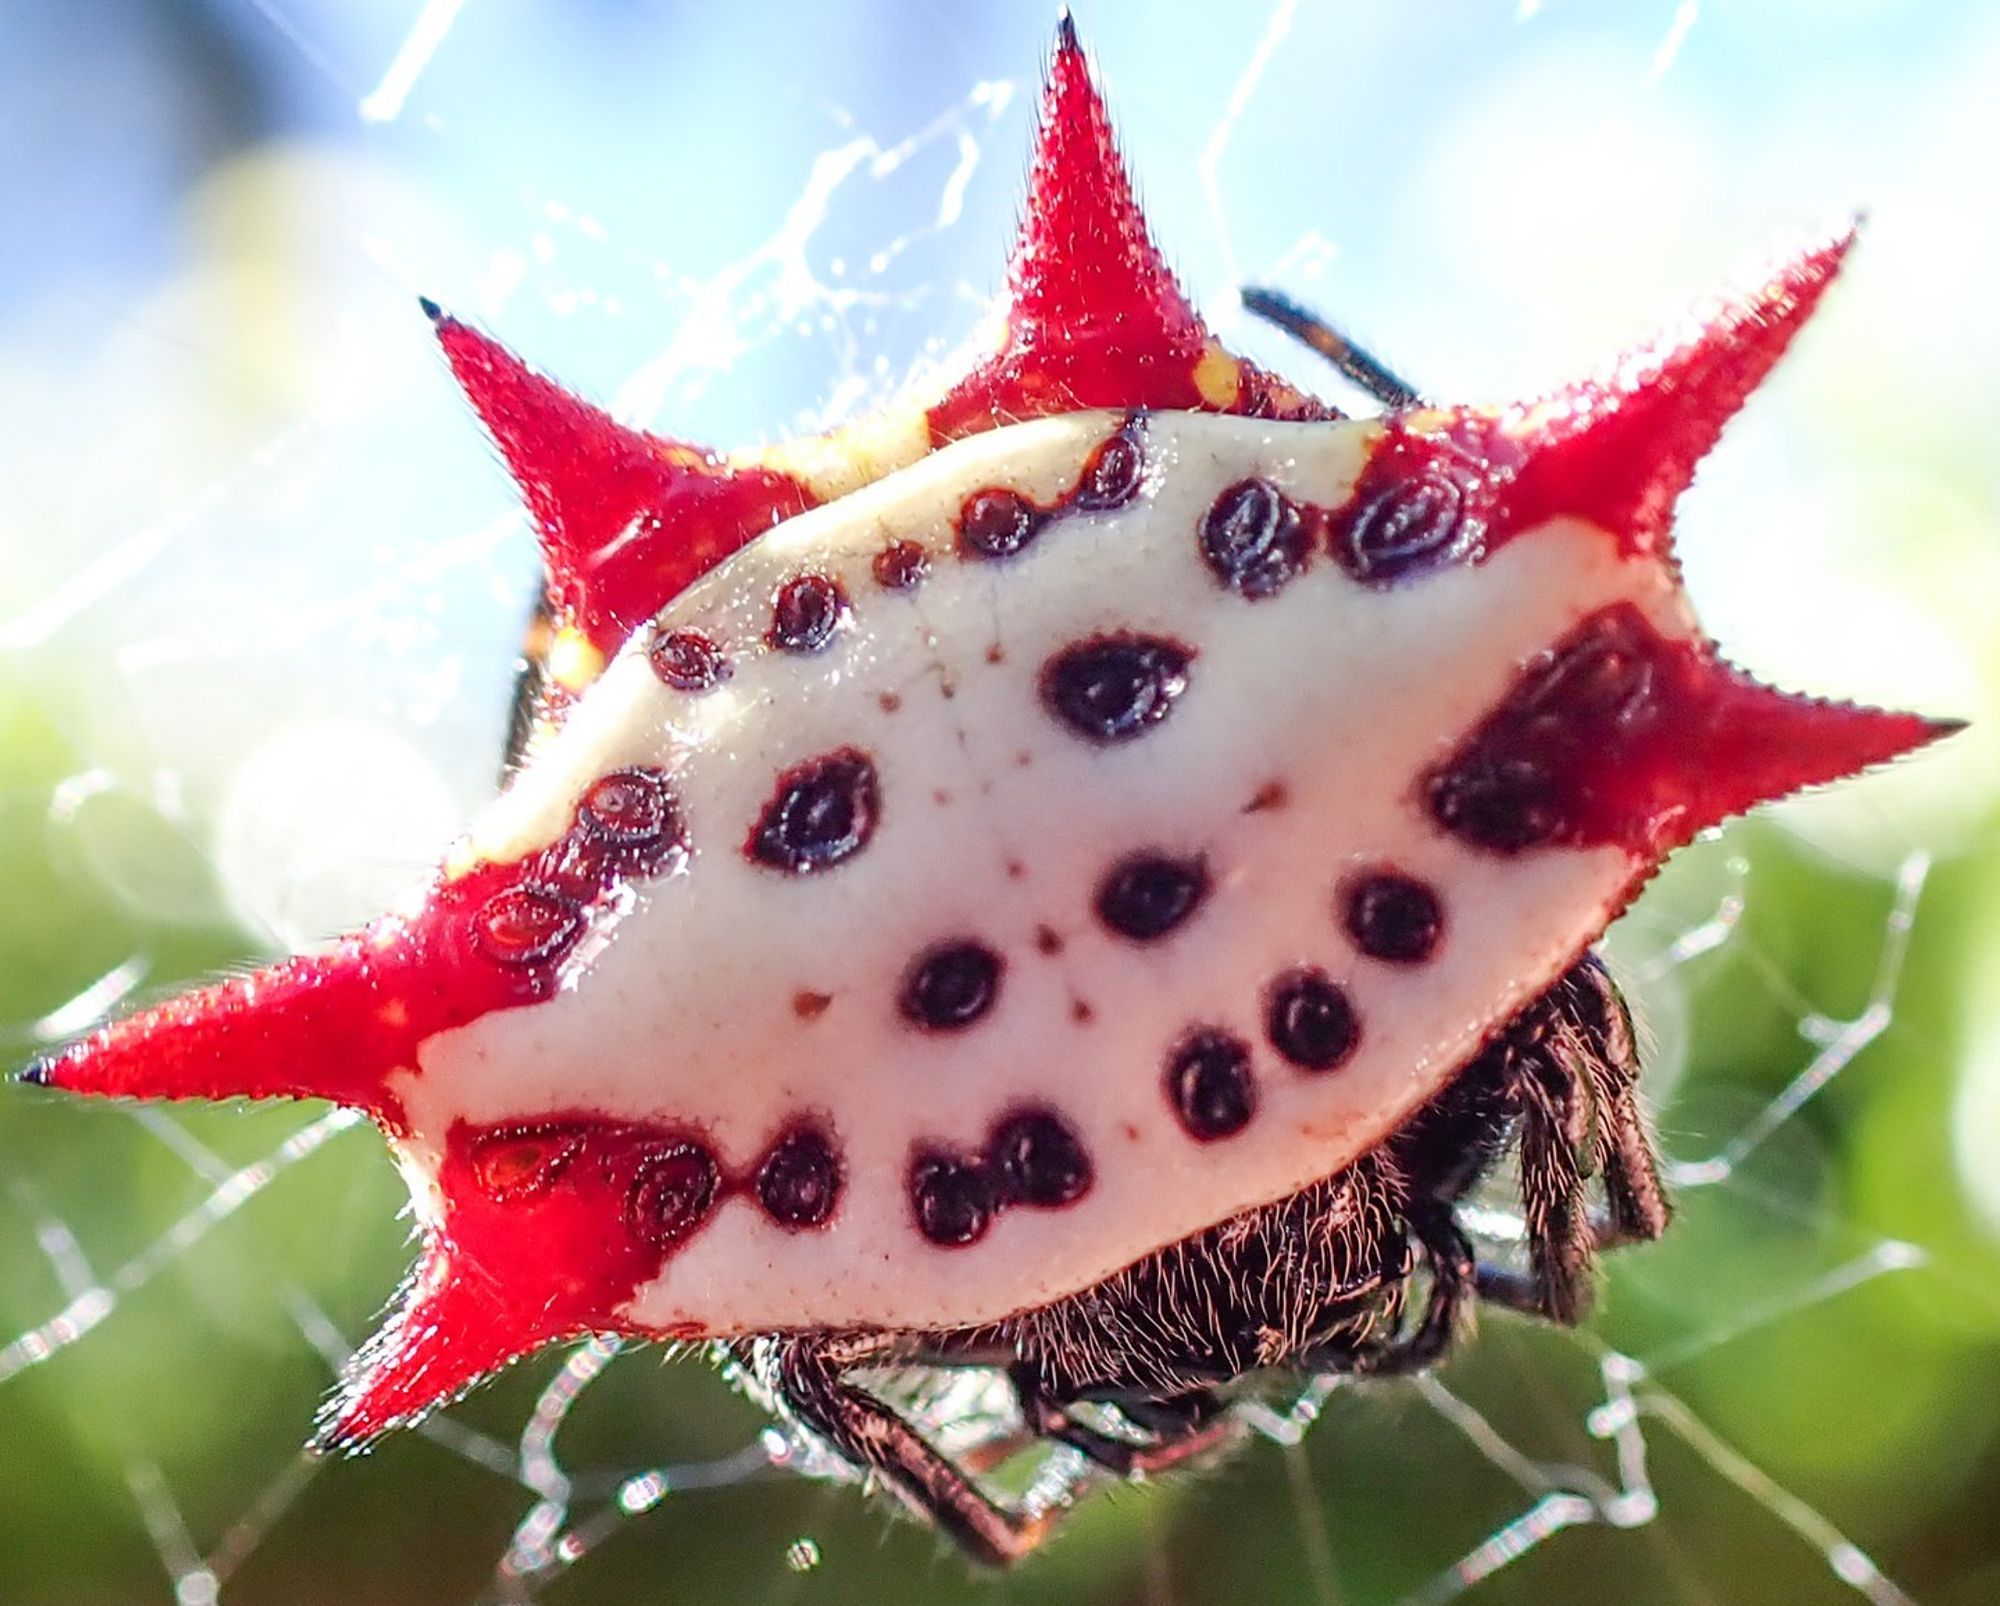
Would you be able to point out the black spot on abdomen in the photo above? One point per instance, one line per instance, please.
(1111, 477)
(997, 523)
(952, 1198)
(799, 1181)
(1255, 538)
(1111, 688)
(672, 1193)
(630, 816)
(1310, 1020)
(1039, 1160)
(688, 661)
(527, 926)
(805, 613)
(823, 811)
(1416, 506)
(951, 986)
(1394, 917)
(900, 565)
(1146, 895)
(1210, 1084)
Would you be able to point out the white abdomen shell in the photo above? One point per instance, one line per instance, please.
(735, 998)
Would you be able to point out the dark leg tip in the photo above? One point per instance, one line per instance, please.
(1066, 40)
(432, 310)
(38, 1072)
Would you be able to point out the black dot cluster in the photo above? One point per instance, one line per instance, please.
(1032, 1158)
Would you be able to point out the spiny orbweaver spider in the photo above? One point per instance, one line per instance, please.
(1079, 875)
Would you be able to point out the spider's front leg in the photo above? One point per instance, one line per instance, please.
(1602, 1040)
(1355, 362)
(1571, 1065)
(532, 684)
(811, 1381)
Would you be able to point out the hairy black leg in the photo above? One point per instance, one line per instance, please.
(811, 1381)
(1179, 1429)
(1555, 1146)
(1573, 1067)
(1360, 366)
(1633, 1196)
(1171, 1414)
(1522, 1291)
(1448, 1258)
(1636, 1201)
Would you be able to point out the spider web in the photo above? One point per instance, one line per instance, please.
(221, 720)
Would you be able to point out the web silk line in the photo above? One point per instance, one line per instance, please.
(1841, 1040)
(1208, 164)
(384, 103)
(92, 1304)
(1568, 1497)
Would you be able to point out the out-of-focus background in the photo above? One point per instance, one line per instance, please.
(261, 583)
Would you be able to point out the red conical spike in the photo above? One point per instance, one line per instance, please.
(1625, 737)
(627, 520)
(311, 1027)
(339, 1025)
(1095, 317)
(1620, 448)
(1729, 742)
(545, 1232)
(1085, 267)
(455, 1325)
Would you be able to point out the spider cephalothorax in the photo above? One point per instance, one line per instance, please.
(1081, 875)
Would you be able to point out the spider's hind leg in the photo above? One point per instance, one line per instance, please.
(1453, 1273)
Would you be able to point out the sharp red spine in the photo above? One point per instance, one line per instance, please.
(627, 520)
(1615, 450)
(1621, 736)
(1095, 317)
(340, 1025)
(547, 1230)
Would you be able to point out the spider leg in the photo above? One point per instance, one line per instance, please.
(1180, 1429)
(811, 1381)
(1449, 1258)
(1575, 1073)
(1515, 1290)
(1356, 363)
(1555, 1145)
(1633, 1195)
